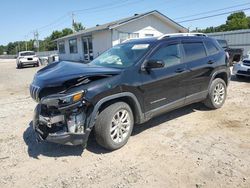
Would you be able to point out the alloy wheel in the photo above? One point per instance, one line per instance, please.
(120, 126)
(219, 93)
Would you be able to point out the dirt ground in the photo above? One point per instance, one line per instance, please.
(189, 147)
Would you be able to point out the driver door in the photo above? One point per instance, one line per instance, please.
(164, 88)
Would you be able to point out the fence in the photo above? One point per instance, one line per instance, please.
(39, 54)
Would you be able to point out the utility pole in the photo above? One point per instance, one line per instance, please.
(73, 20)
(36, 43)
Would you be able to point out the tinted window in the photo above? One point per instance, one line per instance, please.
(169, 54)
(73, 46)
(194, 51)
(27, 54)
(212, 49)
(223, 43)
(61, 47)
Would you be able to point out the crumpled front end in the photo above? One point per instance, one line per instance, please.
(60, 119)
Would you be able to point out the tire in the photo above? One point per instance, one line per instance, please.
(110, 126)
(19, 65)
(217, 94)
(37, 64)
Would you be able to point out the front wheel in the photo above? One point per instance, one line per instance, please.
(114, 126)
(19, 65)
(217, 94)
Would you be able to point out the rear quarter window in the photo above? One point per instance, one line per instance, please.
(194, 51)
(211, 48)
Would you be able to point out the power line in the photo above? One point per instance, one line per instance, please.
(213, 15)
(211, 11)
(100, 6)
(115, 6)
(70, 13)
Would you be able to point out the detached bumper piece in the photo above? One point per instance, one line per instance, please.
(66, 129)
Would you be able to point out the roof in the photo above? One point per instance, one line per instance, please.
(241, 31)
(120, 22)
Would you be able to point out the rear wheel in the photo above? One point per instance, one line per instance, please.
(217, 94)
(114, 126)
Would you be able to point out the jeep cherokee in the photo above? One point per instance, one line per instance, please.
(126, 85)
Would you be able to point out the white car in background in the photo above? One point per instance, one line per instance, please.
(242, 69)
(27, 58)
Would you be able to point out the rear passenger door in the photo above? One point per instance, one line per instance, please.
(200, 67)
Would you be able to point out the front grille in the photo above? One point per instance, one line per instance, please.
(34, 92)
(30, 59)
(244, 72)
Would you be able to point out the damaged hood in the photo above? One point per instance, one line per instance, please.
(58, 73)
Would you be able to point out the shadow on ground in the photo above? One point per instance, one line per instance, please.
(48, 149)
(55, 150)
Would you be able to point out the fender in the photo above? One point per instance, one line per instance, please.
(138, 109)
(218, 72)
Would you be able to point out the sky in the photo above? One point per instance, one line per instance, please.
(20, 18)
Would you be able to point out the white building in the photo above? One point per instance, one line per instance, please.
(89, 43)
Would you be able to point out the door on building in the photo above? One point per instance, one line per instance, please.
(87, 48)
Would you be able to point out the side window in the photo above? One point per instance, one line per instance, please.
(212, 49)
(73, 46)
(194, 51)
(170, 55)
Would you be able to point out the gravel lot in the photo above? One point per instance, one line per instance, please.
(189, 147)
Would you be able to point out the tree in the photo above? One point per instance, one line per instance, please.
(49, 42)
(234, 21)
(2, 49)
(78, 26)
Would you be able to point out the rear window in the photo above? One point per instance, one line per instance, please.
(194, 51)
(212, 49)
(27, 53)
(223, 43)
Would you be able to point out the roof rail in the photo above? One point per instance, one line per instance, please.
(181, 34)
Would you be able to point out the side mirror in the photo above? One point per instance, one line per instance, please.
(153, 64)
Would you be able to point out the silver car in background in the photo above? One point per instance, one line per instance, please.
(242, 69)
(27, 58)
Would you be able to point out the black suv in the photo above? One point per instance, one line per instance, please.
(128, 84)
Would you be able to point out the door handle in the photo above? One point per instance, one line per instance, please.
(210, 62)
(179, 70)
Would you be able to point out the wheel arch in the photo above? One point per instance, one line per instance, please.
(220, 74)
(126, 97)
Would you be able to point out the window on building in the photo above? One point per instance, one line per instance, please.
(61, 47)
(212, 49)
(170, 55)
(149, 35)
(73, 46)
(194, 51)
(124, 36)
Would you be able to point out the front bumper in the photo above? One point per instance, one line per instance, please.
(242, 70)
(59, 137)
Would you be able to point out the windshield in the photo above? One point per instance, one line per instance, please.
(121, 56)
(27, 53)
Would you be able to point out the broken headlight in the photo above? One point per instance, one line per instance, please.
(63, 100)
